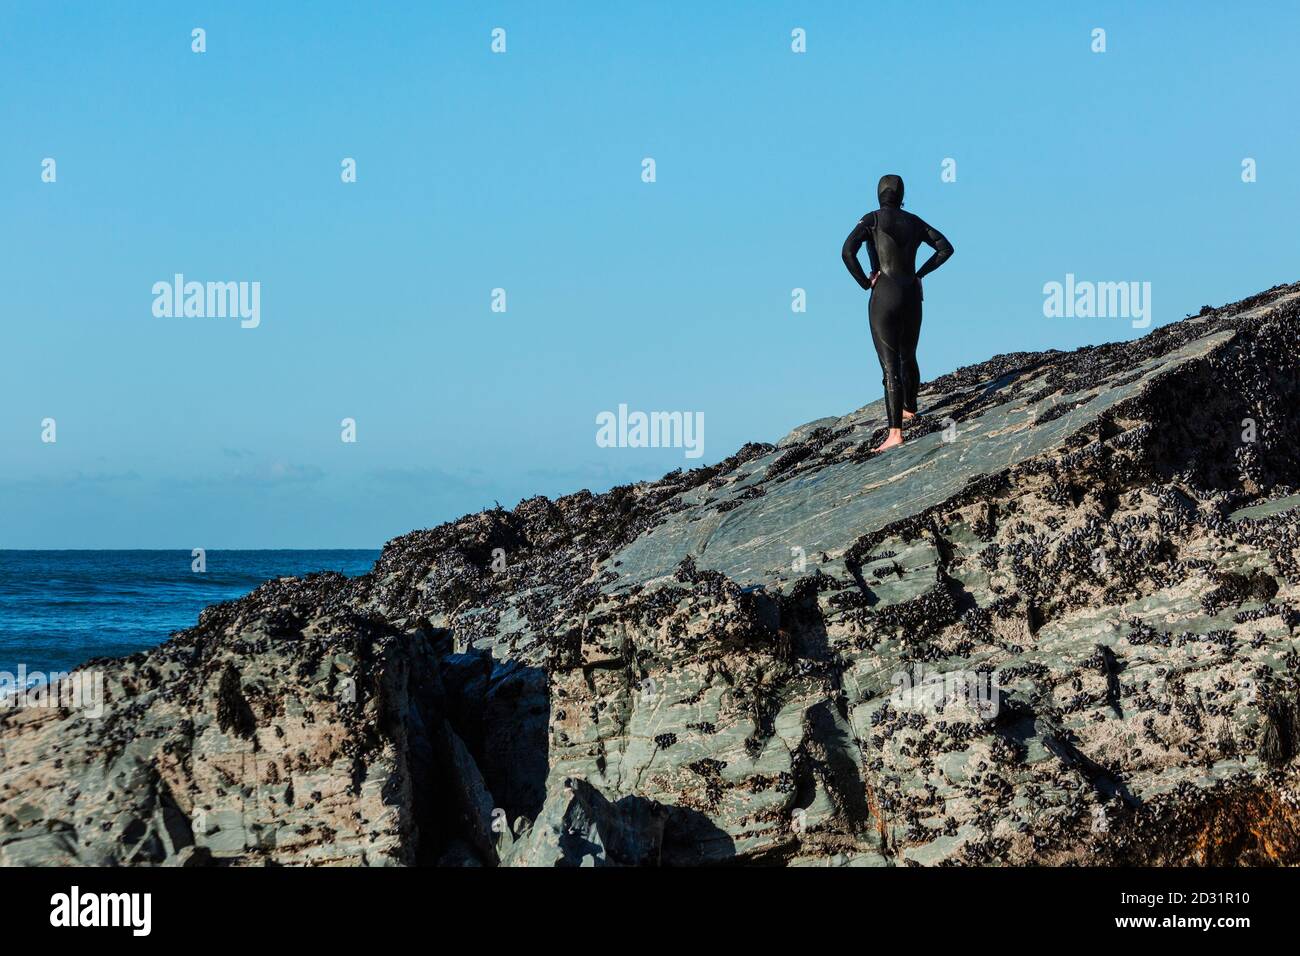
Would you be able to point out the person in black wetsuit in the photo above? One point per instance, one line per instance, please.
(892, 237)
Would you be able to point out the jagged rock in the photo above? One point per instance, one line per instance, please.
(579, 827)
(1056, 626)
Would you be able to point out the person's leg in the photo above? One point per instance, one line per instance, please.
(889, 366)
(884, 334)
(911, 335)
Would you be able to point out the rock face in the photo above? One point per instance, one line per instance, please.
(1056, 626)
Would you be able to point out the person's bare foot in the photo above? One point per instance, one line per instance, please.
(895, 437)
(908, 416)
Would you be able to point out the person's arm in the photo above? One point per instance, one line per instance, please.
(941, 246)
(861, 233)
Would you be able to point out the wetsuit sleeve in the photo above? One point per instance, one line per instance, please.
(861, 234)
(941, 246)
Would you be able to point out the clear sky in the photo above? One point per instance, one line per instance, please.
(523, 171)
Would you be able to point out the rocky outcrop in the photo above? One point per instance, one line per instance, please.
(1057, 625)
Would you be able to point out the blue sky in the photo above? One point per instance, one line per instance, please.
(523, 171)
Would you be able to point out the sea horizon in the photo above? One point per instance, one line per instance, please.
(207, 550)
(60, 607)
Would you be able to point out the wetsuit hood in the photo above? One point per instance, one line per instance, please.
(890, 190)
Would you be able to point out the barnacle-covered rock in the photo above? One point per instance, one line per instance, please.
(1056, 626)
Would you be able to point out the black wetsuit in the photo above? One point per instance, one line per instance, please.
(892, 237)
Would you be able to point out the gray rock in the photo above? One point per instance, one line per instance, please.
(1056, 626)
(578, 826)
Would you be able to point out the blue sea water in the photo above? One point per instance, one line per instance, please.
(59, 609)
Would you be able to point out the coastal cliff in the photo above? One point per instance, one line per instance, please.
(1056, 626)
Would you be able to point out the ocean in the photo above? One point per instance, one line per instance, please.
(59, 609)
